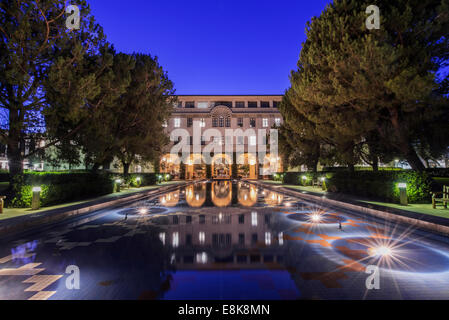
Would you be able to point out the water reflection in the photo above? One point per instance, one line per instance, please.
(247, 194)
(170, 199)
(221, 193)
(223, 238)
(273, 198)
(196, 194)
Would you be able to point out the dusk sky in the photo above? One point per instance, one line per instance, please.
(213, 46)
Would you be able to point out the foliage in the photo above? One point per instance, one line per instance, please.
(59, 187)
(368, 95)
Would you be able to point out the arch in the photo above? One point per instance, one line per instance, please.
(221, 166)
(170, 163)
(196, 195)
(272, 164)
(221, 193)
(247, 166)
(246, 194)
(195, 167)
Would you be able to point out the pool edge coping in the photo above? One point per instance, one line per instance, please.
(390, 216)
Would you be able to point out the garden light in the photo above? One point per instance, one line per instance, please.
(380, 251)
(35, 201)
(315, 217)
(117, 184)
(403, 193)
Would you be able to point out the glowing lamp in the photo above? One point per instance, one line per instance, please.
(402, 185)
(37, 189)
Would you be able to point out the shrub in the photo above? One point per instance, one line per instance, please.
(60, 187)
(382, 185)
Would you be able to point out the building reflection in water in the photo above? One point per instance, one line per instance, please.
(196, 194)
(221, 193)
(224, 238)
(169, 199)
(273, 198)
(247, 194)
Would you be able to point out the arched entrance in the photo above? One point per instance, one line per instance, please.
(247, 166)
(221, 166)
(271, 164)
(195, 167)
(170, 163)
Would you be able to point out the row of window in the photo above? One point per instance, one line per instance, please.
(240, 140)
(230, 104)
(225, 122)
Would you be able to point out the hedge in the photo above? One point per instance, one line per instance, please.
(60, 187)
(380, 185)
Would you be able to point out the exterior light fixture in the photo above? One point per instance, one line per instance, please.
(403, 193)
(117, 184)
(35, 201)
(138, 181)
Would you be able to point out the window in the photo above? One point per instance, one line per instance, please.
(252, 104)
(177, 122)
(241, 218)
(191, 140)
(240, 140)
(228, 122)
(214, 122)
(202, 219)
(240, 122)
(179, 104)
(190, 104)
(188, 219)
(202, 122)
(254, 238)
(252, 140)
(201, 237)
(252, 122)
(264, 122)
(175, 239)
(264, 104)
(240, 104)
(276, 104)
(267, 238)
(221, 122)
(254, 218)
(189, 122)
(277, 122)
(203, 105)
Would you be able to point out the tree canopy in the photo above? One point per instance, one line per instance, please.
(369, 94)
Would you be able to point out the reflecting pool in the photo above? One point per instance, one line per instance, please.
(224, 240)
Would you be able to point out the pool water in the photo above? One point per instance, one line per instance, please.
(225, 240)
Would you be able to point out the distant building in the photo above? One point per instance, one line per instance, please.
(252, 114)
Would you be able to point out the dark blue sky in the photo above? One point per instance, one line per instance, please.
(213, 46)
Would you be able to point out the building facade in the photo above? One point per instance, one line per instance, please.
(219, 131)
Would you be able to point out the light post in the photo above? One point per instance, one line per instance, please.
(138, 182)
(304, 179)
(35, 201)
(117, 185)
(396, 162)
(403, 193)
(323, 183)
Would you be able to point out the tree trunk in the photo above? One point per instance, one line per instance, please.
(414, 161)
(375, 164)
(15, 157)
(126, 168)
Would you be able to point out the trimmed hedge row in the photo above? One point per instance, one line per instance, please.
(60, 187)
(380, 185)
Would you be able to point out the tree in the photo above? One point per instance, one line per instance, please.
(142, 111)
(374, 87)
(33, 37)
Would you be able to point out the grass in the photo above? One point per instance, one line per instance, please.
(17, 212)
(425, 208)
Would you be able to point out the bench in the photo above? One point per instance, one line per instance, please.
(444, 199)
